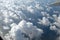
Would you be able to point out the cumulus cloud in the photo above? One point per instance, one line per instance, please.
(39, 7)
(56, 26)
(33, 30)
(27, 28)
(17, 22)
(48, 8)
(30, 9)
(44, 21)
(56, 12)
(53, 27)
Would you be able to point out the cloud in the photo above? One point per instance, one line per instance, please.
(45, 14)
(30, 9)
(53, 27)
(24, 27)
(39, 7)
(48, 8)
(56, 12)
(56, 26)
(29, 29)
(44, 21)
(16, 24)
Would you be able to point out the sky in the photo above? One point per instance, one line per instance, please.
(29, 20)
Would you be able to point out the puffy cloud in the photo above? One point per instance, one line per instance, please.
(15, 34)
(6, 27)
(38, 6)
(44, 21)
(57, 19)
(6, 20)
(48, 8)
(56, 26)
(27, 28)
(13, 11)
(57, 30)
(45, 14)
(53, 27)
(30, 9)
(56, 12)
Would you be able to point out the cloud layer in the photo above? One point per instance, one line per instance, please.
(29, 20)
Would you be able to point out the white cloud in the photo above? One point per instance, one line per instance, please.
(6, 28)
(44, 21)
(7, 20)
(48, 8)
(30, 9)
(45, 14)
(56, 12)
(26, 28)
(13, 24)
(29, 29)
(11, 15)
(53, 27)
(38, 6)
(57, 21)
(56, 26)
